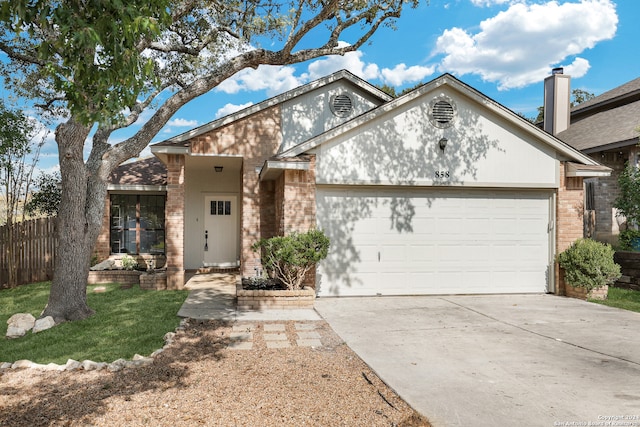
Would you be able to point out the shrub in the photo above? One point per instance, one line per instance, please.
(626, 239)
(628, 202)
(289, 258)
(589, 264)
(129, 263)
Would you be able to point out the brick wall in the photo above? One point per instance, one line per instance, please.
(256, 138)
(174, 222)
(605, 192)
(102, 250)
(299, 199)
(569, 217)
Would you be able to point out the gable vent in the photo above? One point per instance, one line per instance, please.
(341, 105)
(442, 112)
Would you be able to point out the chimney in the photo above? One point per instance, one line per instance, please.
(557, 102)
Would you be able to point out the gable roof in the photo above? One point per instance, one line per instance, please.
(606, 122)
(449, 80)
(181, 140)
(147, 172)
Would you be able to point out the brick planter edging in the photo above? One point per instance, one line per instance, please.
(153, 281)
(284, 299)
(124, 277)
(581, 293)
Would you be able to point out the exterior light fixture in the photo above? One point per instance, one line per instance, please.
(443, 143)
(218, 168)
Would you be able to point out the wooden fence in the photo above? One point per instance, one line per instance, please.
(34, 243)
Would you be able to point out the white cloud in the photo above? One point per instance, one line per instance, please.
(487, 3)
(231, 108)
(351, 61)
(182, 123)
(518, 46)
(402, 74)
(278, 79)
(274, 79)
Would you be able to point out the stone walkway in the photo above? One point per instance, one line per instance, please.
(274, 335)
(212, 296)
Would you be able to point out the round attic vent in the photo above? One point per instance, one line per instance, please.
(442, 112)
(341, 105)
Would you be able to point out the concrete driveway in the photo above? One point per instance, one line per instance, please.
(523, 360)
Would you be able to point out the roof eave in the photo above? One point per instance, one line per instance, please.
(586, 171)
(272, 168)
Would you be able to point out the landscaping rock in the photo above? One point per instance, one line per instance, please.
(89, 365)
(72, 365)
(54, 367)
(107, 264)
(22, 364)
(19, 324)
(43, 324)
(157, 352)
(117, 365)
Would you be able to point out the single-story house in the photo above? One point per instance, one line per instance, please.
(606, 128)
(439, 191)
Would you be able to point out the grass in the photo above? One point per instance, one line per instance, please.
(622, 298)
(127, 321)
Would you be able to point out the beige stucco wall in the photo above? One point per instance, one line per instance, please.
(202, 180)
(310, 114)
(401, 148)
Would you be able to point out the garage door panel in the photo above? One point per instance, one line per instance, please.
(434, 241)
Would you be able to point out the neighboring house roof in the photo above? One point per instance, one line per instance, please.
(446, 79)
(182, 140)
(145, 172)
(606, 122)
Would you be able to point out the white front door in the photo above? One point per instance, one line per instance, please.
(220, 230)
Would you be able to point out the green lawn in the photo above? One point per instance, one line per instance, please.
(127, 321)
(622, 298)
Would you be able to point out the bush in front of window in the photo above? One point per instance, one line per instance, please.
(129, 263)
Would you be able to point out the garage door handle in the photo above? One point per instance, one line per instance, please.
(378, 256)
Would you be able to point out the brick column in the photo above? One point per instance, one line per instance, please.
(102, 249)
(299, 205)
(569, 217)
(299, 199)
(174, 218)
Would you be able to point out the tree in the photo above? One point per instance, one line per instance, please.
(45, 201)
(578, 96)
(103, 63)
(18, 158)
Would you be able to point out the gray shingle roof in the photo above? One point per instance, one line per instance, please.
(149, 171)
(608, 121)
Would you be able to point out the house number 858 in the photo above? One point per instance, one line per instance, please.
(442, 174)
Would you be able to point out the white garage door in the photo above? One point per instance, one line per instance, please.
(410, 242)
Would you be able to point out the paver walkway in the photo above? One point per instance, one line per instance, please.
(212, 296)
(274, 335)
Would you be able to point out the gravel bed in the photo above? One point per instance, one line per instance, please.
(201, 381)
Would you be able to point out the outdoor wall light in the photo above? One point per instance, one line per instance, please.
(443, 143)
(218, 168)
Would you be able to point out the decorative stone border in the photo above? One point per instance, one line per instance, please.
(88, 365)
(284, 299)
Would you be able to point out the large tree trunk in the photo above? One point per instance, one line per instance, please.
(78, 227)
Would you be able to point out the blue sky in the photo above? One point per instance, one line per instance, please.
(503, 48)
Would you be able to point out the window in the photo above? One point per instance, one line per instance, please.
(220, 207)
(137, 224)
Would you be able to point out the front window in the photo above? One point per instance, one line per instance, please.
(137, 224)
